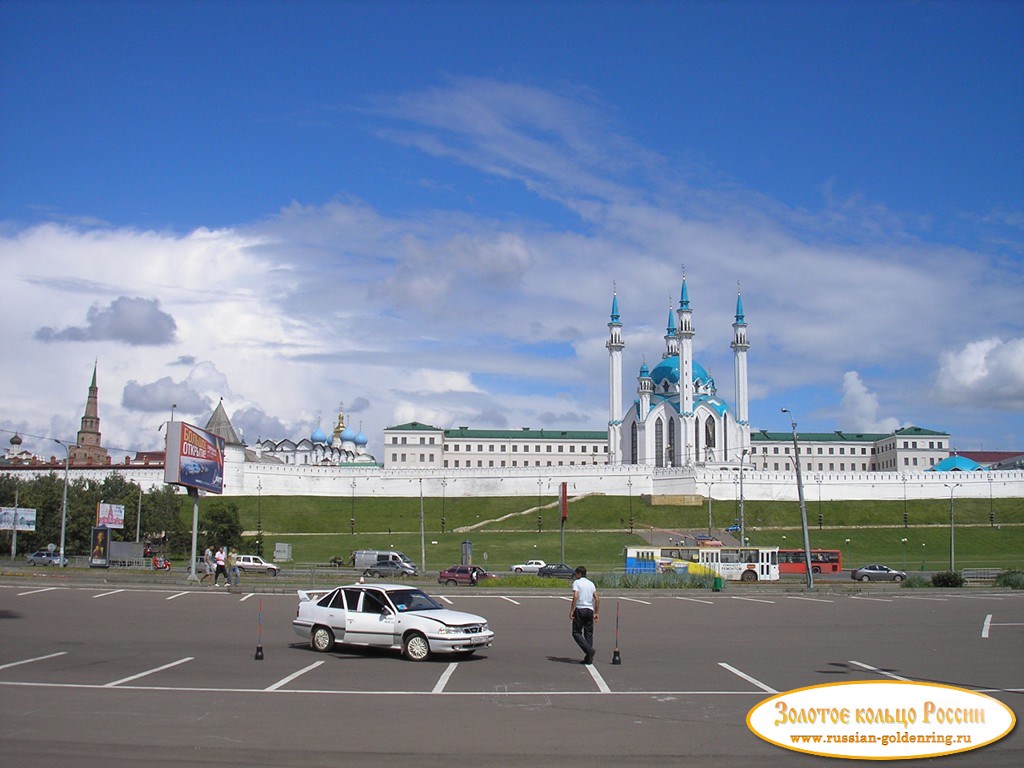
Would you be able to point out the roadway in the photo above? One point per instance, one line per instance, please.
(164, 675)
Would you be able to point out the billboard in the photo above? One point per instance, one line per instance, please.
(195, 458)
(110, 515)
(17, 518)
(99, 548)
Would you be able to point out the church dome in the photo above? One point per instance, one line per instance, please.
(361, 439)
(348, 436)
(318, 436)
(668, 369)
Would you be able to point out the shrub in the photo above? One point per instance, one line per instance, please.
(655, 581)
(948, 579)
(915, 581)
(1011, 579)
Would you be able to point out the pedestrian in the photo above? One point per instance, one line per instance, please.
(221, 559)
(233, 568)
(208, 564)
(583, 612)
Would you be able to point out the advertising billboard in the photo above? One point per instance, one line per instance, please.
(99, 548)
(110, 515)
(195, 458)
(17, 518)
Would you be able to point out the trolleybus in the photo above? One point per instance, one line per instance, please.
(732, 563)
(822, 561)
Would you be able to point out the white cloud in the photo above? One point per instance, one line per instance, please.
(860, 408)
(984, 375)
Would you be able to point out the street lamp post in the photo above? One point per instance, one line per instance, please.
(952, 559)
(629, 485)
(803, 506)
(904, 542)
(423, 537)
(743, 454)
(709, 485)
(352, 511)
(64, 502)
(444, 482)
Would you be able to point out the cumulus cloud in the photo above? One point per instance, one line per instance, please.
(860, 408)
(984, 374)
(159, 395)
(133, 321)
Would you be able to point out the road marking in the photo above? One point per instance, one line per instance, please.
(29, 661)
(753, 600)
(812, 599)
(445, 676)
(695, 600)
(37, 591)
(880, 671)
(633, 600)
(601, 684)
(446, 600)
(916, 597)
(246, 597)
(104, 594)
(748, 678)
(177, 594)
(875, 599)
(148, 672)
(514, 602)
(293, 675)
(985, 626)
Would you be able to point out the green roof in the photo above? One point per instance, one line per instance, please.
(525, 434)
(845, 437)
(413, 426)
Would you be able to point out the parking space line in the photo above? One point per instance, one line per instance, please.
(104, 594)
(985, 626)
(748, 678)
(694, 600)
(514, 602)
(811, 599)
(875, 599)
(443, 680)
(442, 597)
(247, 596)
(601, 684)
(633, 600)
(293, 675)
(36, 591)
(918, 597)
(176, 594)
(116, 683)
(752, 599)
(879, 671)
(29, 661)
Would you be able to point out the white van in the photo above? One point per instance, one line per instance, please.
(363, 559)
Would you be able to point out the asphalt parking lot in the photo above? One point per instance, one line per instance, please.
(95, 674)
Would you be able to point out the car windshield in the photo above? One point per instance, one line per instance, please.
(413, 600)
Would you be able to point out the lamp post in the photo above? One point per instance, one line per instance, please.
(352, 515)
(743, 454)
(991, 509)
(904, 542)
(629, 485)
(952, 559)
(444, 482)
(540, 518)
(821, 517)
(64, 502)
(259, 517)
(803, 506)
(15, 445)
(423, 538)
(709, 485)
(903, 477)
(922, 555)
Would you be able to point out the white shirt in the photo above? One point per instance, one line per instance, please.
(585, 591)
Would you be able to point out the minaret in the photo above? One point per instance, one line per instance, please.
(740, 345)
(671, 337)
(88, 448)
(685, 332)
(615, 345)
(644, 390)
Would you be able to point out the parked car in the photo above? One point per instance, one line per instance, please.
(43, 557)
(256, 564)
(390, 569)
(557, 571)
(387, 616)
(463, 574)
(876, 572)
(530, 566)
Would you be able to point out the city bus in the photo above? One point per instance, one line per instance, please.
(822, 561)
(731, 563)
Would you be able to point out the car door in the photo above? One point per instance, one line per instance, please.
(373, 621)
(331, 611)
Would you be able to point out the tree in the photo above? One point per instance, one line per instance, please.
(220, 524)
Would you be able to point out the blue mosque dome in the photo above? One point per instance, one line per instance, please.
(669, 369)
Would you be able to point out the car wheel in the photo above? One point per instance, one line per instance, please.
(748, 576)
(816, 569)
(519, 570)
(865, 577)
(451, 583)
(322, 639)
(415, 647)
(897, 578)
(274, 573)
(373, 573)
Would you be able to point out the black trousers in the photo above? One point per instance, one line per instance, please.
(583, 629)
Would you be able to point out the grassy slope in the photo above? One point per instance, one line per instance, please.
(597, 528)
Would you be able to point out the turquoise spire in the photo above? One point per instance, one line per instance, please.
(684, 297)
(739, 306)
(615, 307)
(671, 329)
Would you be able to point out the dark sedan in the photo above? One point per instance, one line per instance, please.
(876, 572)
(388, 569)
(556, 571)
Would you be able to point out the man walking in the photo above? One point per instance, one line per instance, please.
(583, 612)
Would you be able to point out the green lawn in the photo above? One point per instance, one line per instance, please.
(597, 530)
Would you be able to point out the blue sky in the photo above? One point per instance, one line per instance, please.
(419, 209)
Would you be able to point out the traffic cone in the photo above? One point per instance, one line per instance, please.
(259, 631)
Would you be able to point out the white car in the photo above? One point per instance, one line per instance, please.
(255, 564)
(387, 616)
(530, 566)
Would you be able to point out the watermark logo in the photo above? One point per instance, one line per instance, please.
(881, 720)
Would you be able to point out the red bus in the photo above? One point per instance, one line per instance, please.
(822, 561)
